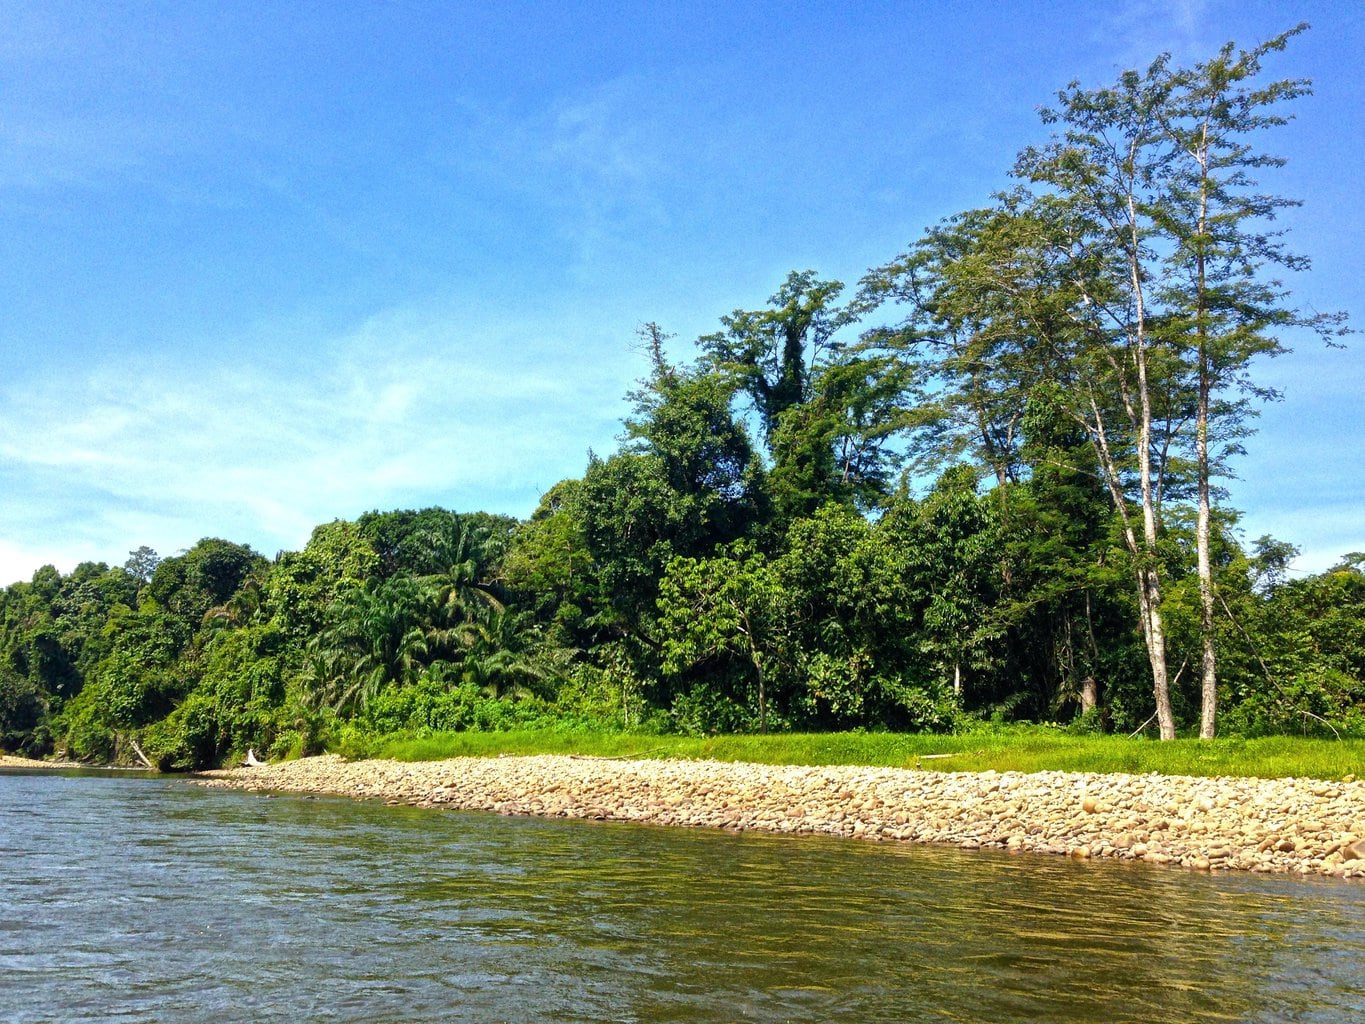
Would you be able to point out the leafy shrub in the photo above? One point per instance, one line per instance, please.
(88, 726)
(23, 715)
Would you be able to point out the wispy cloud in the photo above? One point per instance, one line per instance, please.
(1144, 28)
(404, 410)
(593, 161)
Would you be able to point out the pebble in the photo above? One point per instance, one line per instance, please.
(1301, 826)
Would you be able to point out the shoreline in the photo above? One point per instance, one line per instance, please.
(15, 761)
(1300, 826)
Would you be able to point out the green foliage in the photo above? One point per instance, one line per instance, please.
(830, 411)
(86, 727)
(431, 706)
(726, 609)
(302, 585)
(207, 575)
(23, 715)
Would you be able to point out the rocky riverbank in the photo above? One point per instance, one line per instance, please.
(1305, 826)
(12, 761)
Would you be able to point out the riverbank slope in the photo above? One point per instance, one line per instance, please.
(1306, 826)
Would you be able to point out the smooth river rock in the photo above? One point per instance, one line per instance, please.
(1305, 826)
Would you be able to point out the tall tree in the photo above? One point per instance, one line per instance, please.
(983, 306)
(1102, 170)
(1166, 242)
(1224, 308)
(686, 481)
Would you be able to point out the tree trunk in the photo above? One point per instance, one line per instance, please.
(1144, 559)
(1090, 694)
(1208, 676)
(1208, 686)
(1155, 635)
(1149, 583)
(762, 701)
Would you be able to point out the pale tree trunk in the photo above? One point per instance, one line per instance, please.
(1146, 575)
(1149, 581)
(1208, 687)
(1090, 694)
(1150, 586)
(1208, 676)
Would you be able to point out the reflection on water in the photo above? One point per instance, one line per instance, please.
(149, 899)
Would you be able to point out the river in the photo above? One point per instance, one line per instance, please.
(152, 899)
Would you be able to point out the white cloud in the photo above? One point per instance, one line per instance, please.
(1144, 28)
(406, 409)
(594, 163)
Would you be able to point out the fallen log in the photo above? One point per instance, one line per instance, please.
(141, 756)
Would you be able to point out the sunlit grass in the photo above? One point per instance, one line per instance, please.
(1021, 749)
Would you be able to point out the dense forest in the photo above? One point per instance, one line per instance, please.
(982, 485)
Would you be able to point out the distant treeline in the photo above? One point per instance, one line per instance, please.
(984, 485)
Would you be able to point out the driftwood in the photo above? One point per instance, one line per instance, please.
(252, 761)
(141, 756)
(1134, 734)
(955, 753)
(615, 757)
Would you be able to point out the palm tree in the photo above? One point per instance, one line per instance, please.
(460, 587)
(501, 662)
(375, 638)
(241, 608)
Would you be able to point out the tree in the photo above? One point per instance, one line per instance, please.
(142, 563)
(772, 351)
(853, 625)
(502, 661)
(723, 607)
(375, 638)
(462, 590)
(302, 585)
(829, 411)
(1060, 600)
(206, 575)
(686, 481)
(549, 569)
(983, 308)
(1163, 238)
(953, 557)
(1224, 309)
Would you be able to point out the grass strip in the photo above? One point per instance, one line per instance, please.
(1011, 749)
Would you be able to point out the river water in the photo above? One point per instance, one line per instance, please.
(151, 899)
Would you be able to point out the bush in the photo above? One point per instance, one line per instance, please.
(430, 706)
(23, 716)
(1324, 702)
(705, 710)
(87, 725)
(190, 738)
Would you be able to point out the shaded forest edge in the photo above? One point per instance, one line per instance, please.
(981, 487)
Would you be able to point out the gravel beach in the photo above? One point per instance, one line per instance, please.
(30, 764)
(1305, 826)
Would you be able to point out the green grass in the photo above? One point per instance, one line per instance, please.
(1019, 749)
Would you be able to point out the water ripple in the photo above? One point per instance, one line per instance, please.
(149, 899)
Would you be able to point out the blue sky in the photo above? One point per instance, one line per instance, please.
(267, 265)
